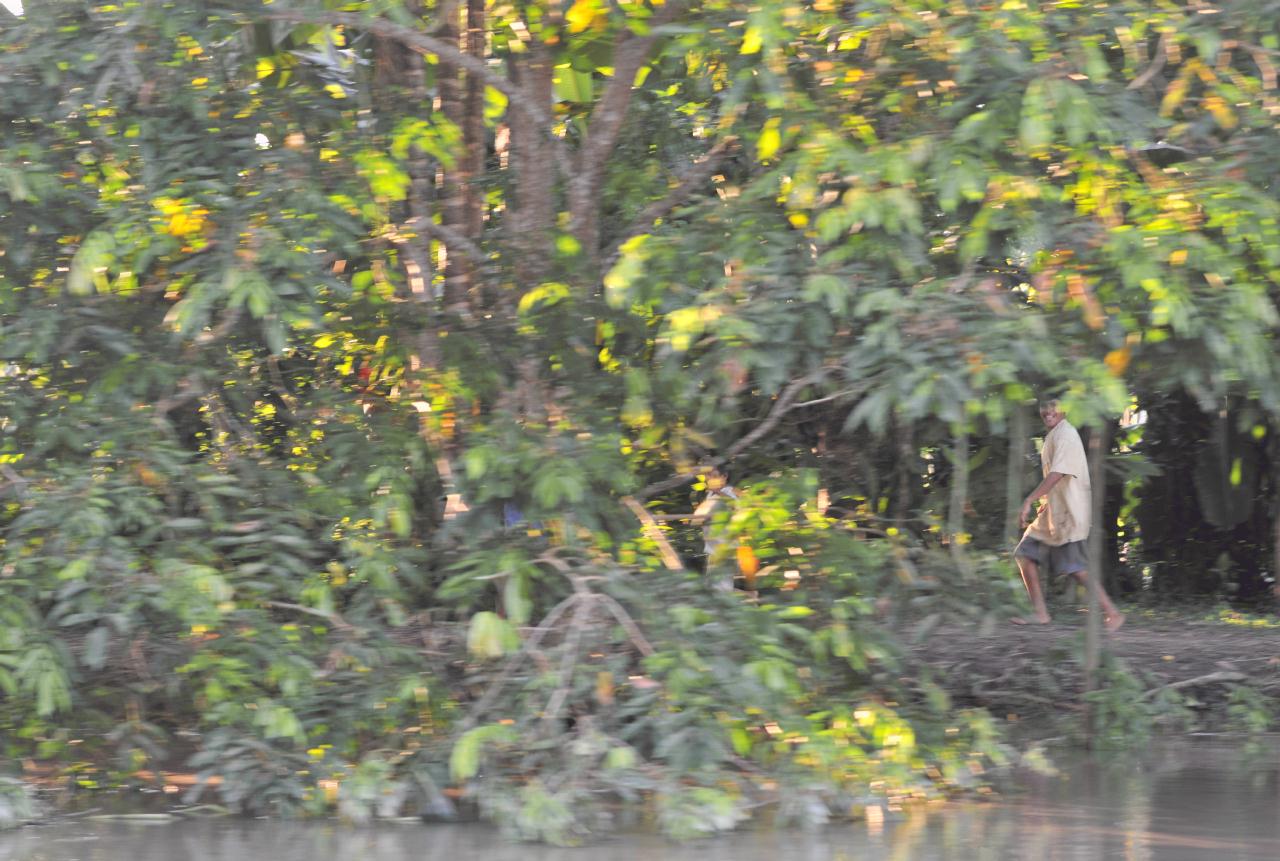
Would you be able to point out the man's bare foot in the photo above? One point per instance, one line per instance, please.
(1113, 622)
(1034, 620)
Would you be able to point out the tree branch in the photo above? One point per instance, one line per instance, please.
(783, 405)
(446, 51)
(654, 533)
(332, 618)
(695, 175)
(572, 646)
(628, 624)
(530, 644)
(1207, 679)
(630, 53)
(453, 239)
(1157, 63)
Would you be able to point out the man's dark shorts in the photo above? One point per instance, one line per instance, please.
(1064, 559)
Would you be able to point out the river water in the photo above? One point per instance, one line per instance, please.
(1192, 800)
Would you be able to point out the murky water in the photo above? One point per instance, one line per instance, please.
(1190, 800)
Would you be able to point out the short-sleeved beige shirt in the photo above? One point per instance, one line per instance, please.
(1065, 515)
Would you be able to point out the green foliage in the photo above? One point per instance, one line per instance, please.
(353, 407)
(17, 807)
(1120, 713)
(1249, 711)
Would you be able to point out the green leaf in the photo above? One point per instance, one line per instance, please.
(620, 757)
(515, 598)
(75, 570)
(90, 262)
(464, 759)
(491, 636)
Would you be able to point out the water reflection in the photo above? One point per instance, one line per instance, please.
(1193, 800)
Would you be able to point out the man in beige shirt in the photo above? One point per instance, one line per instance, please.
(1056, 539)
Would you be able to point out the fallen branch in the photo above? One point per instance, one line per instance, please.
(1207, 679)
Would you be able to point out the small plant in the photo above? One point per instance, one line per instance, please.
(1248, 711)
(17, 807)
(1122, 716)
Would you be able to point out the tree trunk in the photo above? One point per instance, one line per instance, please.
(454, 180)
(1014, 468)
(959, 496)
(1099, 444)
(474, 136)
(533, 164)
(630, 53)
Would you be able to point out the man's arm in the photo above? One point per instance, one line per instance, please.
(1042, 490)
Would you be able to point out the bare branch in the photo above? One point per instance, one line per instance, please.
(832, 397)
(453, 239)
(529, 646)
(783, 405)
(14, 479)
(572, 645)
(654, 533)
(192, 388)
(628, 624)
(697, 173)
(332, 618)
(1208, 679)
(1157, 63)
(629, 56)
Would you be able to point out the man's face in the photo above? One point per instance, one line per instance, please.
(1051, 415)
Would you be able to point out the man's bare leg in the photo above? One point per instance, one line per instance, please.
(1112, 618)
(1030, 572)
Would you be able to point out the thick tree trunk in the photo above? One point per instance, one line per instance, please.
(400, 86)
(630, 53)
(474, 136)
(534, 167)
(458, 275)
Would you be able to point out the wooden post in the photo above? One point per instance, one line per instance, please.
(1099, 444)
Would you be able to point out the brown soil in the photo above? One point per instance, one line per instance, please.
(1025, 671)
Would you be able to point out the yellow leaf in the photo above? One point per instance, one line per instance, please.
(1217, 106)
(581, 15)
(1174, 95)
(751, 41)
(1118, 360)
(770, 140)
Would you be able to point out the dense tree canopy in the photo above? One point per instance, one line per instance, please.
(363, 364)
